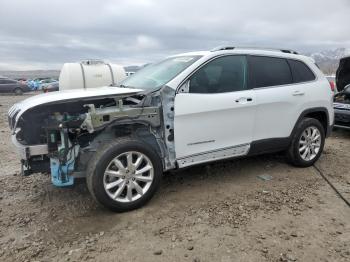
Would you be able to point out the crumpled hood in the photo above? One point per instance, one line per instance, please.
(68, 95)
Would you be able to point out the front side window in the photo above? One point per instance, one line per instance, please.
(300, 71)
(224, 74)
(156, 75)
(269, 71)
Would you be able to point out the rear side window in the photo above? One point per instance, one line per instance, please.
(269, 71)
(300, 71)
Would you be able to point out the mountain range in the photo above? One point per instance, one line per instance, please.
(327, 60)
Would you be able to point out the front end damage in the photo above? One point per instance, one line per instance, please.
(59, 134)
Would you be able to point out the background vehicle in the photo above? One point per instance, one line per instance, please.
(51, 87)
(12, 86)
(342, 108)
(45, 82)
(188, 109)
(34, 84)
(343, 73)
(342, 99)
(21, 80)
(332, 82)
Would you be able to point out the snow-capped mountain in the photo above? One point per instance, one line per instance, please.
(328, 60)
(334, 54)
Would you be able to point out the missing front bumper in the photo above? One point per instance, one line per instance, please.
(25, 152)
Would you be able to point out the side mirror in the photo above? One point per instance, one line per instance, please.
(185, 88)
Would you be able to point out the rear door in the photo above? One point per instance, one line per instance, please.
(280, 95)
(214, 119)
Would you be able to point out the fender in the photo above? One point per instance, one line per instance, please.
(277, 144)
(313, 110)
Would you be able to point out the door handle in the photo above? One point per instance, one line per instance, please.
(298, 93)
(244, 99)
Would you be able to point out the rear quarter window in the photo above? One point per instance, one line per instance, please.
(300, 71)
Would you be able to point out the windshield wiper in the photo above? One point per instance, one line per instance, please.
(124, 86)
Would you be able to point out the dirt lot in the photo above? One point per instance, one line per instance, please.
(220, 212)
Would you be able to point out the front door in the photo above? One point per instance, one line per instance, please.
(214, 117)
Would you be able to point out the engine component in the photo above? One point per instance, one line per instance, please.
(62, 164)
(98, 117)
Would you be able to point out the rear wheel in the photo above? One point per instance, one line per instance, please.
(124, 174)
(307, 143)
(18, 91)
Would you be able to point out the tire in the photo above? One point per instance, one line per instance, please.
(103, 163)
(18, 91)
(296, 153)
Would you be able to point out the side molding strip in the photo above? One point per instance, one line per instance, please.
(219, 154)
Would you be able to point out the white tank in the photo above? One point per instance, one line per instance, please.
(90, 73)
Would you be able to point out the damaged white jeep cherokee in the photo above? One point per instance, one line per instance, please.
(188, 109)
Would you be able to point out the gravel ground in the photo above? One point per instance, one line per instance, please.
(219, 212)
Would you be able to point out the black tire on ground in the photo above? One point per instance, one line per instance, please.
(293, 155)
(18, 91)
(100, 161)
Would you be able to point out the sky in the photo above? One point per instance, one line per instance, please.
(45, 34)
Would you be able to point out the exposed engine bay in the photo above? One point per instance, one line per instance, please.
(60, 137)
(342, 108)
(342, 99)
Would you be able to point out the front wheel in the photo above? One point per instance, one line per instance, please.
(124, 174)
(307, 143)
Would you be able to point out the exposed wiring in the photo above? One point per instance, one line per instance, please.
(71, 150)
(331, 185)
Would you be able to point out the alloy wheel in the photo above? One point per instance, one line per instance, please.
(309, 143)
(128, 176)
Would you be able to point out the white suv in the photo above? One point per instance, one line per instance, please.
(188, 109)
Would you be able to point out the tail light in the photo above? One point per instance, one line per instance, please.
(332, 85)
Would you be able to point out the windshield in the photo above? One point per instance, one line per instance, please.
(158, 74)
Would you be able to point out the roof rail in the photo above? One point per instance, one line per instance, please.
(220, 48)
(289, 51)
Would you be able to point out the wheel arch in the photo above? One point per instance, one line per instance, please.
(18, 88)
(137, 130)
(319, 113)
